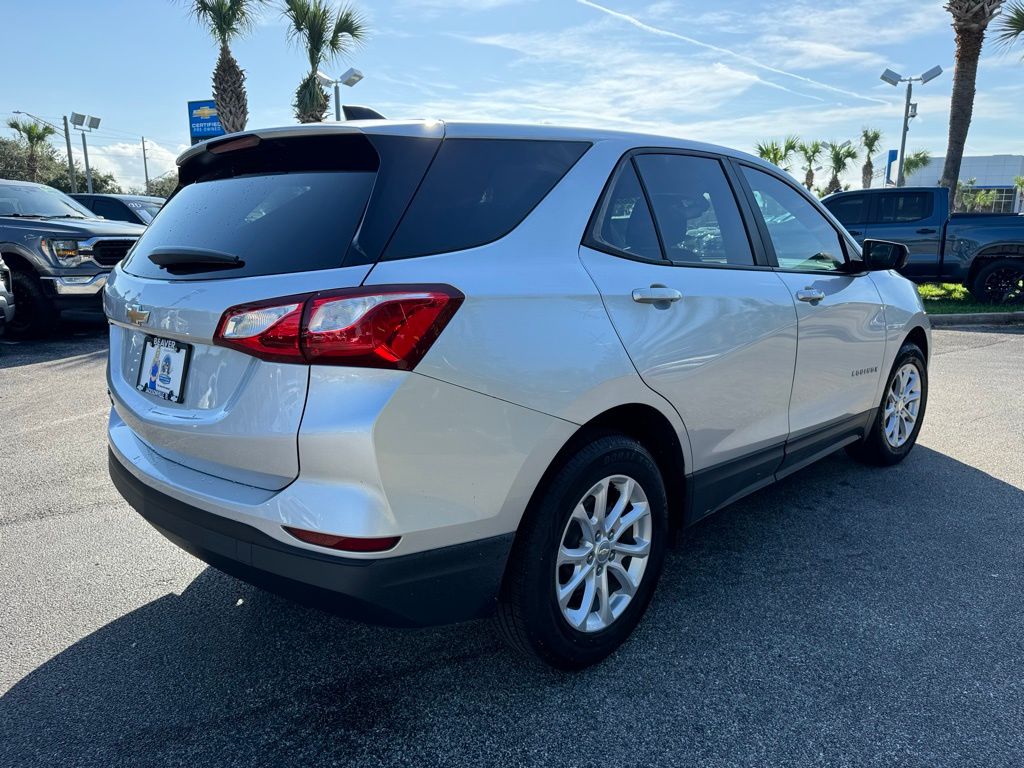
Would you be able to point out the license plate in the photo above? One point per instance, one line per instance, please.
(163, 368)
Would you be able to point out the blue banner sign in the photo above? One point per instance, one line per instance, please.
(893, 154)
(203, 121)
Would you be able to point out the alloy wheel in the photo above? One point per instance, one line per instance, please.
(603, 553)
(902, 405)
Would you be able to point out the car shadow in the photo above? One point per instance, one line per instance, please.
(80, 337)
(844, 615)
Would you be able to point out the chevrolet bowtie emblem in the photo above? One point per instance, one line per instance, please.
(138, 315)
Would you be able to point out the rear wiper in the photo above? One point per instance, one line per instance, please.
(67, 216)
(25, 215)
(172, 257)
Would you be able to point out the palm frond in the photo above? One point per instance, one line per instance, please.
(226, 19)
(870, 138)
(1011, 26)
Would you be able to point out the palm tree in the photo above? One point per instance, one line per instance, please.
(325, 33)
(839, 158)
(228, 20)
(970, 20)
(777, 153)
(870, 139)
(916, 161)
(36, 136)
(1018, 182)
(811, 153)
(1011, 28)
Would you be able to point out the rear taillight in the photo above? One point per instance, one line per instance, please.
(388, 326)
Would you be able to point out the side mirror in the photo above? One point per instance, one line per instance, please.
(880, 255)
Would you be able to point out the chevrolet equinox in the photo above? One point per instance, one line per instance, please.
(423, 372)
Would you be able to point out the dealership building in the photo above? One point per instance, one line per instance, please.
(989, 172)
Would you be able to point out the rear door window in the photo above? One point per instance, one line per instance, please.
(849, 209)
(275, 223)
(624, 224)
(479, 190)
(899, 207)
(696, 211)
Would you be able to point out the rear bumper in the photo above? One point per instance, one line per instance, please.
(438, 586)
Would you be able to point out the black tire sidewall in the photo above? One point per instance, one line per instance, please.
(551, 636)
(978, 286)
(30, 300)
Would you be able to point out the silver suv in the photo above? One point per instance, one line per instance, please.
(424, 372)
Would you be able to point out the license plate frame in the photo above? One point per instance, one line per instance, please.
(156, 381)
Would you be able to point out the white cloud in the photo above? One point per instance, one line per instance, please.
(749, 61)
(124, 160)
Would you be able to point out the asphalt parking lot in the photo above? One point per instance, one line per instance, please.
(845, 617)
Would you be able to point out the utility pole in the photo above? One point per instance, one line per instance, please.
(71, 162)
(145, 164)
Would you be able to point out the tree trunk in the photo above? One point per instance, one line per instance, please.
(809, 179)
(834, 185)
(32, 163)
(867, 173)
(965, 75)
(229, 92)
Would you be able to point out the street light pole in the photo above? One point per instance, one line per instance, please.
(909, 111)
(88, 170)
(85, 123)
(350, 77)
(145, 164)
(900, 177)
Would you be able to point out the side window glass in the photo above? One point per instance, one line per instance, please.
(624, 221)
(906, 206)
(695, 210)
(111, 209)
(849, 210)
(803, 239)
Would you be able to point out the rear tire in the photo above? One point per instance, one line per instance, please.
(1000, 282)
(572, 591)
(893, 432)
(35, 316)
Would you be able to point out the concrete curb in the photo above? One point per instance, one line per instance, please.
(978, 318)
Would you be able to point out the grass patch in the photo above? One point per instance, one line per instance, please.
(953, 298)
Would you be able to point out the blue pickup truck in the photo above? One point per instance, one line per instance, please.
(984, 251)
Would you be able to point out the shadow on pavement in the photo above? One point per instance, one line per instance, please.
(847, 616)
(79, 337)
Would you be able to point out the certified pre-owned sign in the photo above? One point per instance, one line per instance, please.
(203, 121)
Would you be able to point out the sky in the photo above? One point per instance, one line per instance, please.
(731, 72)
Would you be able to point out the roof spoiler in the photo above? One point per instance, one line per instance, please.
(353, 112)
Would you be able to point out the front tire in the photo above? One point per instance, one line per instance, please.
(1000, 282)
(587, 556)
(35, 316)
(893, 433)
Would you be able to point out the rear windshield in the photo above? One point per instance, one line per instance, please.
(479, 190)
(274, 223)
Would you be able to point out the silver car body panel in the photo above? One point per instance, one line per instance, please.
(453, 451)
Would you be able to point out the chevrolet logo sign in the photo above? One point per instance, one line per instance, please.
(204, 112)
(138, 315)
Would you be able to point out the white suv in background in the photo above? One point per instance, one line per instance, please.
(422, 372)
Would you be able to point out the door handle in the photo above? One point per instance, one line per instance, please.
(658, 295)
(926, 231)
(810, 295)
